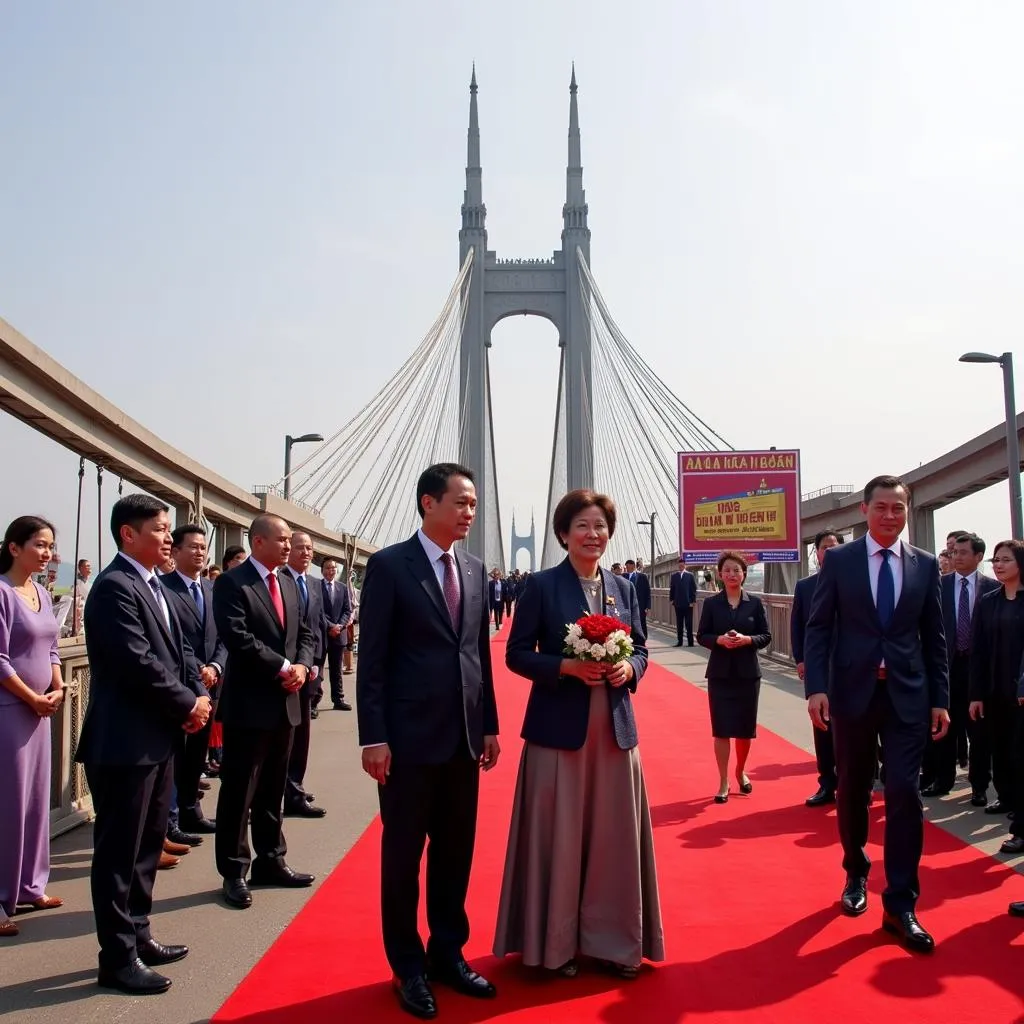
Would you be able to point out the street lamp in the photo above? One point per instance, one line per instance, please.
(288, 442)
(1012, 444)
(650, 523)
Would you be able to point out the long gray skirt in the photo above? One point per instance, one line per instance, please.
(580, 877)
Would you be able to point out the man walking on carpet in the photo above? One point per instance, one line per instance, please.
(427, 725)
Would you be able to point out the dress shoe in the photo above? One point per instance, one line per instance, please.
(342, 705)
(313, 713)
(997, 807)
(936, 790)
(279, 874)
(1015, 844)
(1016, 909)
(204, 785)
(236, 893)
(136, 979)
(460, 976)
(978, 799)
(176, 849)
(855, 896)
(309, 798)
(680, 644)
(156, 954)
(415, 997)
(197, 826)
(175, 834)
(167, 861)
(821, 798)
(908, 930)
(303, 810)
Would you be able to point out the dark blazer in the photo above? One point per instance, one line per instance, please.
(252, 695)
(716, 618)
(422, 685)
(642, 585)
(950, 598)
(803, 594)
(558, 711)
(844, 643)
(339, 611)
(143, 680)
(315, 616)
(682, 588)
(200, 635)
(986, 643)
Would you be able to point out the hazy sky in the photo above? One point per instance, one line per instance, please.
(236, 219)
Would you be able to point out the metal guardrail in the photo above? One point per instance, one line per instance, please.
(279, 493)
(831, 489)
(70, 801)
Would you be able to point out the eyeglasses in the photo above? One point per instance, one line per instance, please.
(1002, 561)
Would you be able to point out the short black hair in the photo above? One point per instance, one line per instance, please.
(977, 544)
(329, 558)
(884, 483)
(133, 510)
(179, 533)
(954, 534)
(630, 561)
(819, 537)
(434, 481)
(231, 552)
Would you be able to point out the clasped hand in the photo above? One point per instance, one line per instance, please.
(295, 679)
(594, 673)
(732, 640)
(47, 704)
(200, 715)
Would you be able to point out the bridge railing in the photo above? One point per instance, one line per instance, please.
(778, 608)
(70, 801)
(830, 489)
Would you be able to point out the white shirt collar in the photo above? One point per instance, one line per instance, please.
(146, 574)
(970, 577)
(187, 579)
(295, 572)
(434, 552)
(262, 569)
(874, 547)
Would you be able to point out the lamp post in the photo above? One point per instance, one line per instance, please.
(288, 442)
(650, 523)
(1012, 444)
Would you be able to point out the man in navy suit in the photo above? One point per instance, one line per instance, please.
(192, 599)
(144, 689)
(803, 594)
(338, 614)
(962, 590)
(642, 585)
(682, 593)
(427, 725)
(875, 665)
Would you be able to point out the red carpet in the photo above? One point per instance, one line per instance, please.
(749, 898)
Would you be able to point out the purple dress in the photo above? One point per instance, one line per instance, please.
(28, 649)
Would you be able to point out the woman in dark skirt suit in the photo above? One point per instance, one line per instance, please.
(734, 627)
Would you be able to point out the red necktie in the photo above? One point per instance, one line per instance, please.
(275, 597)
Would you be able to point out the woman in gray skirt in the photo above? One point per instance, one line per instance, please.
(580, 876)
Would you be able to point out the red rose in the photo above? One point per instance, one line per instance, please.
(597, 628)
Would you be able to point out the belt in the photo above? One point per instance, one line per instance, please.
(880, 675)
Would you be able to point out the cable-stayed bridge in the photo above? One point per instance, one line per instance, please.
(437, 406)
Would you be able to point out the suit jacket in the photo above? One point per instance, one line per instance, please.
(493, 601)
(845, 643)
(988, 648)
(803, 594)
(558, 710)
(315, 616)
(950, 605)
(252, 696)
(143, 678)
(717, 617)
(337, 611)
(201, 635)
(682, 588)
(642, 586)
(423, 686)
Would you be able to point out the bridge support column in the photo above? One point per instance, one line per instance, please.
(184, 514)
(922, 528)
(781, 577)
(224, 537)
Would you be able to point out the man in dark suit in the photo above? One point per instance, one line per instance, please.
(338, 614)
(496, 596)
(509, 592)
(803, 595)
(962, 590)
(144, 689)
(270, 652)
(297, 803)
(643, 589)
(428, 724)
(191, 596)
(682, 593)
(875, 664)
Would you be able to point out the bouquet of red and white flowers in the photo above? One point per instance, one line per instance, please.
(600, 638)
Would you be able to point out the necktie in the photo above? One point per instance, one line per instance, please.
(451, 589)
(963, 618)
(303, 591)
(886, 602)
(197, 596)
(275, 597)
(154, 585)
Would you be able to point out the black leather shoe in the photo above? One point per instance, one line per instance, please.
(978, 799)
(136, 979)
(198, 826)
(1016, 909)
(236, 893)
(415, 997)
(308, 798)
(461, 977)
(855, 896)
(1015, 844)
(908, 930)
(936, 790)
(303, 810)
(156, 954)
(343, 705)
(279, 874)
(313, 713)
(176, 835)
(821, 798)
(997, 807)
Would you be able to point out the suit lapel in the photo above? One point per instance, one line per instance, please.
(174, 582)
(421, 568)
(571, 599)
(910, 575)
(143, 588)
(263, 593)
(469, 588)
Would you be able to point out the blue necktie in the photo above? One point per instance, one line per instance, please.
(303, 591)
(197, 596)
(886, 602)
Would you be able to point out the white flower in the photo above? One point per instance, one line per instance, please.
(573, 631)
(597, 652)
(581, 646)
(611, 647)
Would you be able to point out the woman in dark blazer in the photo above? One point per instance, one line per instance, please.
(734, 627)
(580, 877)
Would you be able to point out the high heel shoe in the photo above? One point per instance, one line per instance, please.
(721, 798)
(746, 787)
(569, 969)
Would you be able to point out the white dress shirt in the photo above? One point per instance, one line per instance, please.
(875, 567)
(188, 581)
(434, 554)
(972, 591)
(264, 573)
(147, 575)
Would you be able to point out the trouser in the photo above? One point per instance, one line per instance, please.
(335, 659)
(825, 756)
(498, 609)
(189, 761)
(507, 601)
(298, 759)
(684, 620)
(942, 755)
(1017, 793)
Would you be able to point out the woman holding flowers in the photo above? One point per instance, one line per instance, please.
(580, 878)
